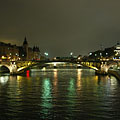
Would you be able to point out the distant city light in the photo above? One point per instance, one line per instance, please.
(3, 57)
(46, 53)
(79, 58)
(71, 53)
(90, 53)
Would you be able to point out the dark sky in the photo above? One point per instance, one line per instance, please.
(61, 26)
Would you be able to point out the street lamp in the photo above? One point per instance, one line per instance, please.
(46, 54)
(71, 54)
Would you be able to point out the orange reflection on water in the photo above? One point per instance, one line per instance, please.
(79, 72)
(55, 77)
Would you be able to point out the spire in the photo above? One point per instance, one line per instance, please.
(25, 41)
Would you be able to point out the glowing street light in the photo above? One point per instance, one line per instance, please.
(71, 54)
(46, 54)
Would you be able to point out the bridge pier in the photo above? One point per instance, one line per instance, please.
(103, 70)
(13, 69)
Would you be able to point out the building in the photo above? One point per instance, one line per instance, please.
(8, 51)
(117, 49)
(107, 53)
(13, 52)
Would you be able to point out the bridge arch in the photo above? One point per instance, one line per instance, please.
(4, 68)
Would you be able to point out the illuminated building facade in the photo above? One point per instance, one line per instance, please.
(117, 49)
(13, 52)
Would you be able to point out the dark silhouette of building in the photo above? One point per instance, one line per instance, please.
(25, 49)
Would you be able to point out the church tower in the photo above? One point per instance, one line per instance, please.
(25, 48)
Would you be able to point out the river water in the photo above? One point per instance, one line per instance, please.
(59, 94)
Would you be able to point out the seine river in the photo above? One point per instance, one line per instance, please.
(59, 94)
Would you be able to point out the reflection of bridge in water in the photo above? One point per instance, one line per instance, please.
(18, 67)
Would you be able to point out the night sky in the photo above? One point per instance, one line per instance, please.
(61, 26)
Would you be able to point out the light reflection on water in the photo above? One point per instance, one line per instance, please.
(4, 79)
(59, 94)
(46, 97)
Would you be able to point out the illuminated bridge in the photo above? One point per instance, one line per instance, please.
(18, 67)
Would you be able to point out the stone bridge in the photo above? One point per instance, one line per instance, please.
(101, 67)
(17, 67)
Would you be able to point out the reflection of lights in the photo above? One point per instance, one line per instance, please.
(72, 90)
(96, 77)
(113, 81)
(46, 96)
(55, 70)
(3, 79)
(19, 78)
(79, 73)
(79, 79)
(46, 88)
(43, 69)
(55, 77)
(28, 73)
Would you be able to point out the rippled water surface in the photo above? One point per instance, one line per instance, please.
(63, 94)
